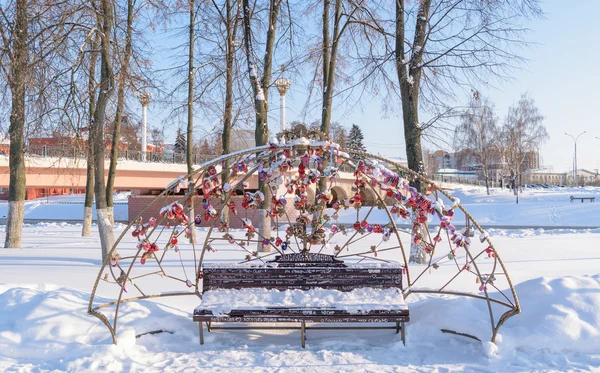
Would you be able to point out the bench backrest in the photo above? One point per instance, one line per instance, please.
(304, 278)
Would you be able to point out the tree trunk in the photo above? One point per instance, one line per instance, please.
(17, 182)
(487, 182)
(105, 227)
(123, 78)
(329, 62)
(228, 113)
(326, 108)
(190, 119)
(329, 65)
(409, 80)
(89, 182)
(86, 231)
(261, 94)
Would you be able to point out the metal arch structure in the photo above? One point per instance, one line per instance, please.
(453, 255)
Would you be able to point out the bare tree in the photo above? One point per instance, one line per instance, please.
(230, 20)
(89, 183)
(477, 133)
(122, 79)
(339, 134)
(15, 45)
(190, 110)
(260, 90)
(106, 88)
(32, 41)
(431, 164)
(455, 44)
(522, 134)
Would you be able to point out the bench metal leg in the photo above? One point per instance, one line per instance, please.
(397, 326)
(303, 333)
(403, 335)
(209, 326)
(201, 333)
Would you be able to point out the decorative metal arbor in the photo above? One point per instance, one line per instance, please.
(401, 219)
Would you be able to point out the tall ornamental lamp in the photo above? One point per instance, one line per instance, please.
(144, 98)
(282, 85)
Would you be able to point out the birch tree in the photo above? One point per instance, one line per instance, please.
(33, 34)
(106, 88)
(190, 110)
(89, 182)
(477, 133)
(521, 136)
(15, 40)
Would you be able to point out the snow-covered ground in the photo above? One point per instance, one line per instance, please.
(45, 287)
(65, 208)
(549, 208)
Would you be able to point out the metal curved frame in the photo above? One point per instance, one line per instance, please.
(270, 152)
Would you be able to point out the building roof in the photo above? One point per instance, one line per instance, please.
(582, 170)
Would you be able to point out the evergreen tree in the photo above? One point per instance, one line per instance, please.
(180, 142)
(355, 139)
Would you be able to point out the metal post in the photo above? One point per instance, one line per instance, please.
(403, 335)
(303, 333)
(144, 127)
(282, 111)
(201, 333)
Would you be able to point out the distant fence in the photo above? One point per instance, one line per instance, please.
(463, 180)
(69, 202)
(124, 155)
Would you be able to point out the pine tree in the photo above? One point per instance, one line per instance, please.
(355, 139)
(180, 142)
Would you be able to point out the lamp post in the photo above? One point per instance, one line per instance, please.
(282, 85)
(575, 157)
(144, 98)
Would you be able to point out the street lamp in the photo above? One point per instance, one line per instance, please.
(144, 98)
(282, 85)
(575, 157)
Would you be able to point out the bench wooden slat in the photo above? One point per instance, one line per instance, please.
(303, 272)
(343, 279)
(318, 319)
(305, 312)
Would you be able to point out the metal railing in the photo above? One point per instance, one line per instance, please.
(124, 155)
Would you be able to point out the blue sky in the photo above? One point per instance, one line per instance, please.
(562, 76)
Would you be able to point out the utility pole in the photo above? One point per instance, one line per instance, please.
(144, 98)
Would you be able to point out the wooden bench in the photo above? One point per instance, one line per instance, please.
(592, 199)
(312, 278)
